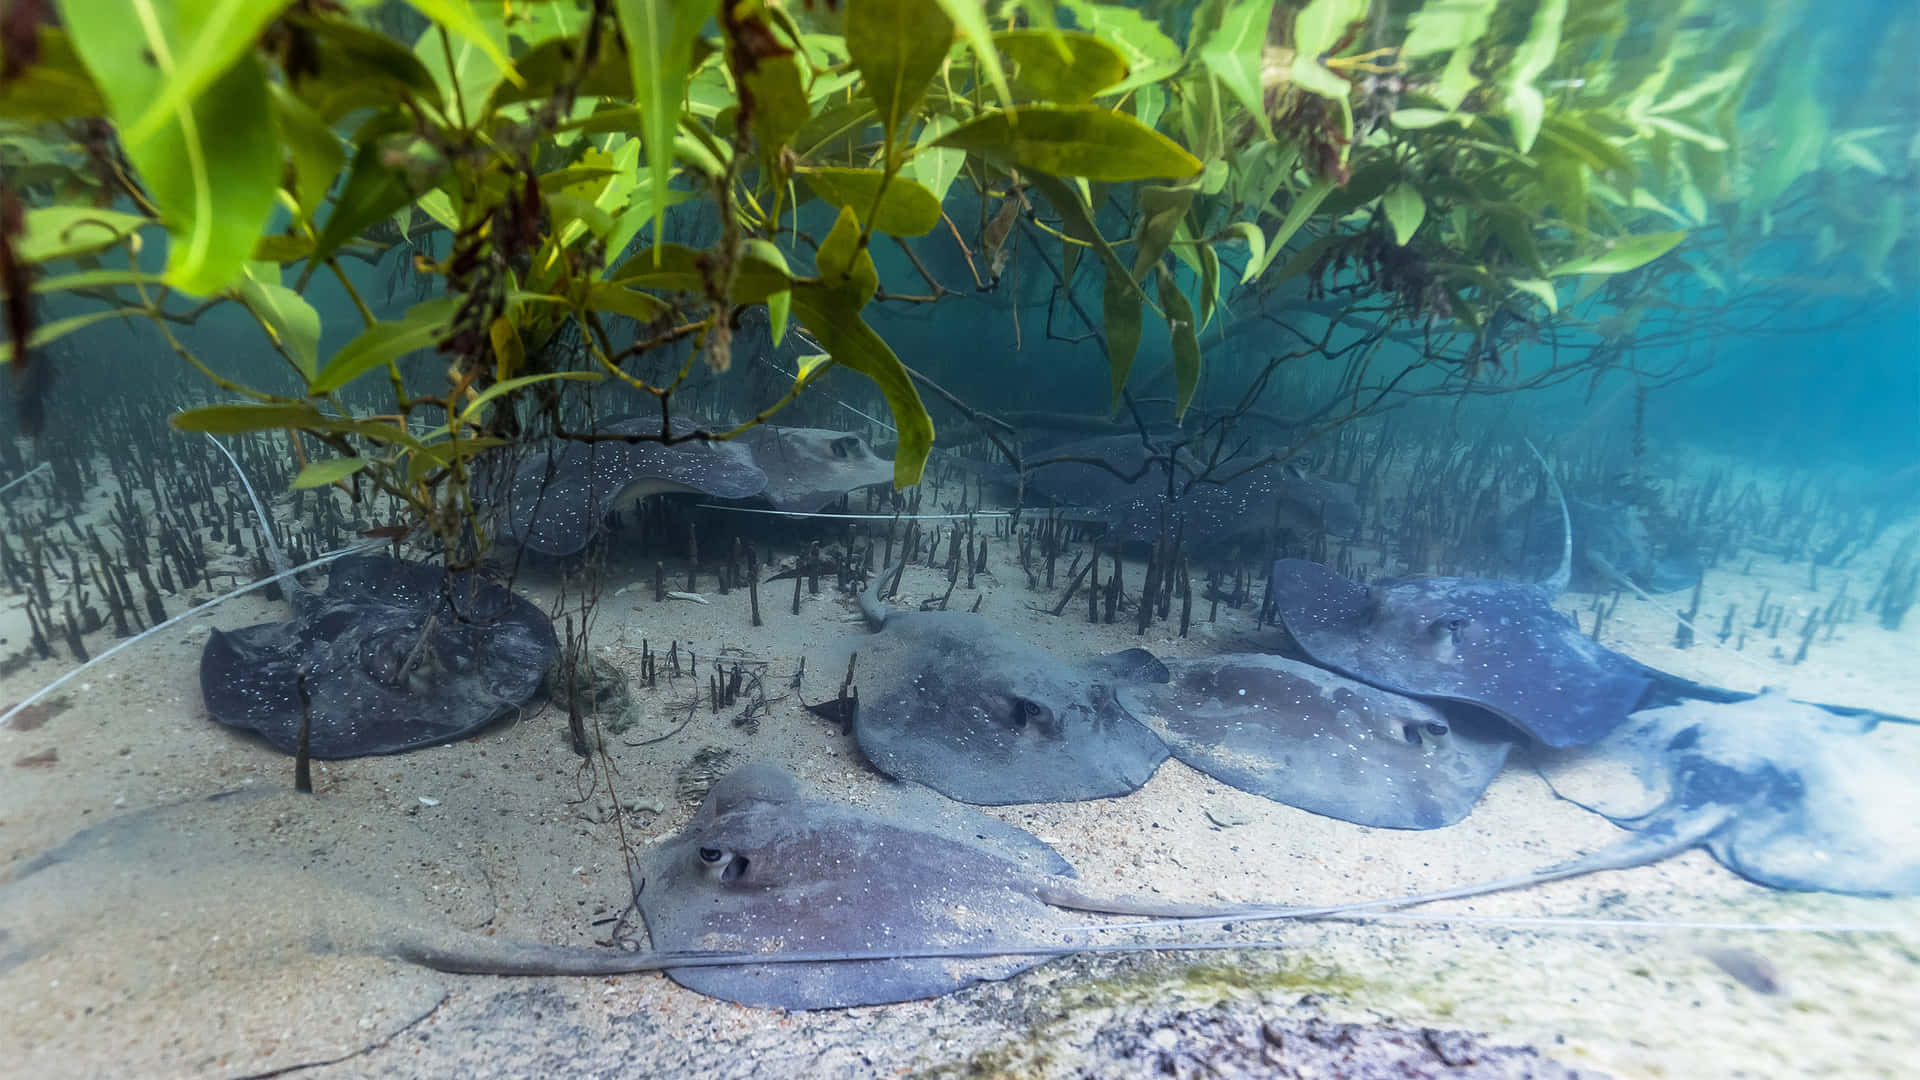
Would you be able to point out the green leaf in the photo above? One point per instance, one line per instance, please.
(660, 36)
(1209, 283)
(1450, 27)
(676, 268)
(1256, 247)
(844, 261)
(59, 328)
(905, 208)
(56, 87)
(1304, 204)
(780, 101)
(833, 316)
(385, 342)
(356, 68)
(1075, 140)
(507, 386)
(1186, 343)
(317, 154)
(897, 46)
(330, 471)
(1120, 312)
(286, 315)
(1421, 119)
(213, 167)
(936, 166)
(1526, 107)
(1316, 30)
(617, 299)
(1076, 220)
(459, 18)
(1163, 208)
(555, 63)
(240, 419)
(970, 18)
(1405, 211)
(779, 303)
(1234, 55)
(1539, 288)
(61, 232)
(1088, 67)
(94, 279)
(201, 39)
(373, 191)
(1151, 55)
(1626, 253)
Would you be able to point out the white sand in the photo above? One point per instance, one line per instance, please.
(186, 950)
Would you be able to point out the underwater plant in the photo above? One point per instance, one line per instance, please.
(1454, 179)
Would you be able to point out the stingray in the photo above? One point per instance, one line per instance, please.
(1528, 540)
(1782, 793)
(904, 896)
(396, 655)
(561, 513)
(809, 468)
(1303, 736)
(1212, 517)
(952, 701)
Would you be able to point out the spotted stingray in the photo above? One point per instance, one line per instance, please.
(396, 655)
(809, 468)
(557, 503)
(1304, 736)
(952, 701)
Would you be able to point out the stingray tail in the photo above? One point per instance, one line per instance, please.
(274, 555)
(874, 608)
(1562, 577)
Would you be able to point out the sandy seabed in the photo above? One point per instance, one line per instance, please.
(184, 937)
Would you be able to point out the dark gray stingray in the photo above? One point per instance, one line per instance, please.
(1528, 543)
(391, 664)
(910, 892)
(1309, 738)
(1782, 793)
(809, 468)
(952, 701)
(562, 513)
(1212, 517)
(1499, 645)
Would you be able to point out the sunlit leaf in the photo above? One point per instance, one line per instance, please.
(844, 261)
(1451, 27)
(833, 317)
(1626, 253)
(242, 418)
(936, 166)
(213, 165)
(897, 45)
(59, 232)
(202, 39)
(660, 36)
(1539, 288)
(1316, 30)
(1256, 247)
(779, 303)
(460, 19)
(385, 342)
(286, 315)
(1089, 67)
(352, 68)
(904, 208)
(1406, 209)
(501, 389)
(1303, 207)
(676, 268)
(1075, 140)
(1151, 55)
(970, 18)
(1526, 106)
(316, 151)
(330, 471)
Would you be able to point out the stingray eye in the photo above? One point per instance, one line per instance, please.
(711, 855)
(1026, 712)
(1449, 627)
(1436, 730)
(843, 448)
(722, 865)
